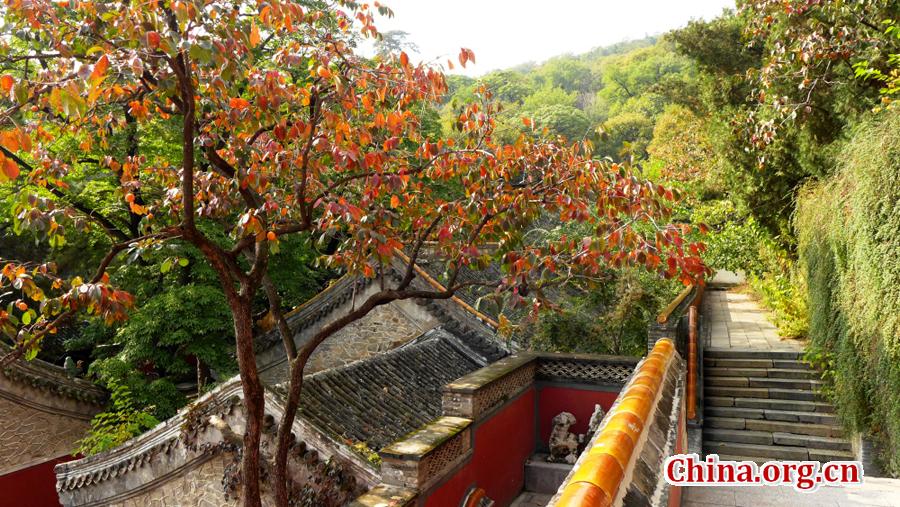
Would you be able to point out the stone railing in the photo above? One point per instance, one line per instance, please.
(622, 463)
(681, 321)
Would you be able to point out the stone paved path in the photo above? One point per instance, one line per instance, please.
(737, 322)
(874, 492)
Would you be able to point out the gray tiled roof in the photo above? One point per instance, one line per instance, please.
(380, 399)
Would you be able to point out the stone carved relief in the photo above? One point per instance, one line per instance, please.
(563, 443)
(30, 436)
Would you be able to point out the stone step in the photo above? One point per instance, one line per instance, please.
(751, 354)
(771, 415)
(783, 373)
(759, 460)
(766, 403)
(796, 429)
(764, 451)
(779, 383)
(776, 439)
(760, 392)
(755, 363)
(725, 423)
(810, 441)
(812, 429)
(728, 457)
(738, 436)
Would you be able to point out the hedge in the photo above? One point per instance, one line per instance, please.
(848, 229)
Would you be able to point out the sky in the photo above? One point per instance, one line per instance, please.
(505, 33)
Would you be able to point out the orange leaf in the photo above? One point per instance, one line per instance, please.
(9, 170)
(254, 36)
(463, 57)
(395, 201)
(99, 70)
(7, 82)
(238, 103)
(404, 59)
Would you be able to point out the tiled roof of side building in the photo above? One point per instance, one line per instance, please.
(380, 399)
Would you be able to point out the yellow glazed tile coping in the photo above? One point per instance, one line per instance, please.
(667, 311)
(427, 438)
(490, 373)
(598, 476)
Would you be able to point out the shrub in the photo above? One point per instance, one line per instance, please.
(122, 420)
(848, 244)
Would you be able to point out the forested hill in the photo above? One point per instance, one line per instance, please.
(611, 95)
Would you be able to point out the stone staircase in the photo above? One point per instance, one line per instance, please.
(763, 405)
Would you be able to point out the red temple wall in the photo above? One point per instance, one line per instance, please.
(34, 486)
(501, 444)
(579, 402)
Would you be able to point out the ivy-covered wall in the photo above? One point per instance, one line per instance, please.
(849, 244)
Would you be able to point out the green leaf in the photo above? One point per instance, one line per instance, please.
(166, 266)
(183, 261)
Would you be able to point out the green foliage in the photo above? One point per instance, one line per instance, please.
(782, 292)
(156, 348)
(610, 318)
(509, 86)
(564, 121)
(124, 419)
(680, 142)
(735, 239)
(848, 243)
(568, 73)
(626, 133)
(549, 96)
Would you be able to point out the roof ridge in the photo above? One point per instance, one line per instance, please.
(50, 377)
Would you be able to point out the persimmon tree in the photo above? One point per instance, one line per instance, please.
(819, 57)
(284, 130)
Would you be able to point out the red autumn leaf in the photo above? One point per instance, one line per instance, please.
(153, 40)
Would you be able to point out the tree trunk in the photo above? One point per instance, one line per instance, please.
(254, 399)
(295, 385)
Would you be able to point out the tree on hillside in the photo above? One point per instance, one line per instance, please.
(394, 41)
(283, 131)
(827, 42)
